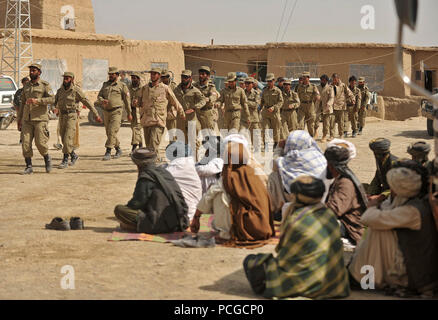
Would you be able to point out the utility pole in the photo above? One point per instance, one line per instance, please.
(17, 52)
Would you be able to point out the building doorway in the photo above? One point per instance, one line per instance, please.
(428, 80)
(258, 69)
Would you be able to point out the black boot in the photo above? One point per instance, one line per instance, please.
(345, 134)
(64, 163)
(118, 153)
(107, 155)
(353, 135)
(74, 158)
(28, 169)
(48, 162)
(360, 131)
(134, 146)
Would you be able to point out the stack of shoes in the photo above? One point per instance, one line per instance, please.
(60, 224)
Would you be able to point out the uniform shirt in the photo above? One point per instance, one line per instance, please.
(135, 107)
(342, 94)
(41, 91)
(364, 96)
(253, 99)
(325, 105)
(290, 99)
(117, 93)
(191, 99)
(209, 91)
(153, 102)
(357, 97)
(234, 100)
(307, 93)
(68, 99)
(272, 98)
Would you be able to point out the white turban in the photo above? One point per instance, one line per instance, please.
(404, 182)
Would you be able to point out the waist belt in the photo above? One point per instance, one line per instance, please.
(113, 109)
(306, 101)
(68, 111)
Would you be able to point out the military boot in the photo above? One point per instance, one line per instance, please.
(28, 169)
(360, 131)
(107, 155)
(74, 158)
(48, 162)
(64, 163)
(118, 153)
(353, 135)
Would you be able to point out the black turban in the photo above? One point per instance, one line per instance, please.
(308, 189)
(380, 145)
(419, 148)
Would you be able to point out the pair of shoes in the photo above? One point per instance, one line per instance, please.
(58, 223)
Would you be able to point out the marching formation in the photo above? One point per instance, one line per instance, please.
(162, 103)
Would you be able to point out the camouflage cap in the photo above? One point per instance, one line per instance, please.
(249, 80)
(270, 77)
(35, 65)
(157, 70)
(112, 70)
(165, 73)
(187, 73)
(361, 79)
(287, 81)
(69, 74)
(136, 74)
(231, 76)
(204, 68)
(306, 74)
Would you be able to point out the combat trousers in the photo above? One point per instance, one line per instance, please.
(38, 130)
(328, 124)
(271, 120)
(206, 119)
(306, 115)
(232, 120)
(112, 121)
(289, 122)
(362, 116)
(67, 131)
(183, 125)
(152, 137)
(350, 117)
(248, 131)
(339, 120)
(137, 128)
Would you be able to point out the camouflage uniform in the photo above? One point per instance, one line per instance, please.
(308, 94)
(289, 118)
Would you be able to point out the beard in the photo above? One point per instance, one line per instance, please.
(33, 76)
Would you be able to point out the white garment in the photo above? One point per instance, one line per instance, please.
(208, 172)
(217, 202)
(184, 172)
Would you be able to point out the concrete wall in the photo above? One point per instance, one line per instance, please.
(46, 14)
(430, 59)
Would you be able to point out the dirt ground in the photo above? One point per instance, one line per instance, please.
(31, 257)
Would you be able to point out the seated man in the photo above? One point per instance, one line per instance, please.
(419, 151)
(384, 161)
(182, 167)
(346, 196)
(158, 205)
(209, 168)
(401, 242)
(309, 261)
(239, 201)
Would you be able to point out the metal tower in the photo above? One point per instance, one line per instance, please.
(17, 39)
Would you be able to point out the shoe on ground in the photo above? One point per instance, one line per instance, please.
(345, 134)
(63, 165)
(118, 153)
(74, 158)
(107, 156)
(28, 170)
(58, 224)
(76, 223)
(353, 135)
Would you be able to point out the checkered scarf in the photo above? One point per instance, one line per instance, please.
(302, 157)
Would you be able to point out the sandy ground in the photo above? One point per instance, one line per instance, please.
(31, 257)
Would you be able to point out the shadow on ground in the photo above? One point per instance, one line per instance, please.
(416, 134)
(233, 284)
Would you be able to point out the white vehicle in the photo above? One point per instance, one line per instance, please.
(7, 91)
(315, 81)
